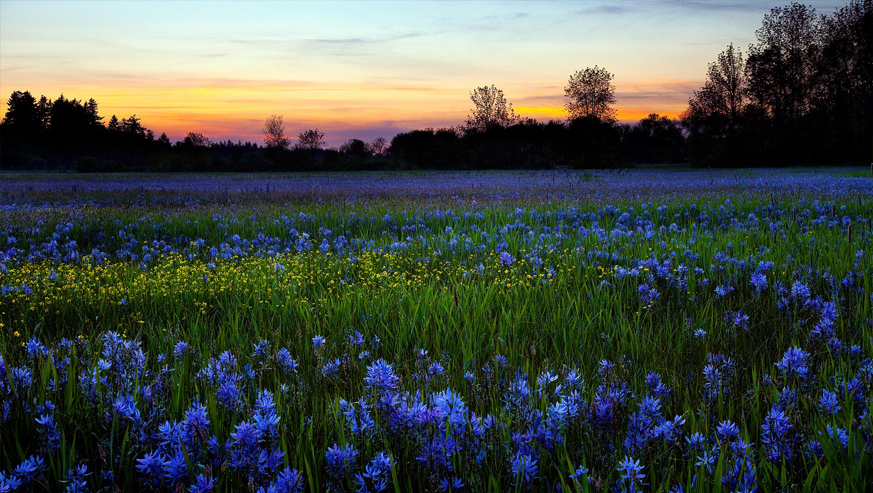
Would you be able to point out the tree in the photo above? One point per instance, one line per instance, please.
(490, 108)
(196, 139)
(274, 133)
(356, 148)
(132, 126)
(310, 140)
(44, 112)
(783, 67)
(69, 118)
(379, 146)
(589, 94)
(659, 138)
(848, 78)
(718, 106)
(22, 113)
(94, 119)
(114, 125)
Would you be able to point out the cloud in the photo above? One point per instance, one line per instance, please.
(666, 90)
(375, 40)
(19, 67)
(604, 9)
(739, 6)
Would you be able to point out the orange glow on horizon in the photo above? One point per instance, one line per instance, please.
(235, 109)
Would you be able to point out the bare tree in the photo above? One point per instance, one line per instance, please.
(310, 140)
(274, 133)
(490, 108)
(590, 93)
(379, 146)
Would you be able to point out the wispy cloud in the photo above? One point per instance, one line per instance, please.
(734, 6)
(604, 9)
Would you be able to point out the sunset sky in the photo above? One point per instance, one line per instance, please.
(360, 69)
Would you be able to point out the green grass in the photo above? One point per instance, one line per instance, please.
(570, 312)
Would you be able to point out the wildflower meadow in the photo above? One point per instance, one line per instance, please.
(551, 331)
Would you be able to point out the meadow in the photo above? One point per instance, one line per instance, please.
(641, 330)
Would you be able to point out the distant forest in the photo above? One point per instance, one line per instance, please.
(801, 94)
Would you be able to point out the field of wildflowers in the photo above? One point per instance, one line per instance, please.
(524, 331)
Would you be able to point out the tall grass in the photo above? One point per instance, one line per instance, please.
(498, 345)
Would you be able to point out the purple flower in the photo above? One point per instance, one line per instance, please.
(152, 465)
(794, 364)
(180, 349)
(829, 404)
(266, 419)
(317, 342)
(580, 472)
(800, 292)
(455, 484)
(523, 467)
(759, 282)
(77, 482)
(631, 472)
(285, 361)
(376, 475)
(202, 484)
(774, 435)
(741, 320)
(727, 431)
(261, 349)
(380, 377)
(175, 468)
(244, 450)
(48, 428)
(288, 481)
(339, 460)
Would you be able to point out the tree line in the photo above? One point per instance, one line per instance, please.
(801, 94)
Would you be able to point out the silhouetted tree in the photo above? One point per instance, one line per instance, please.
(22, 114)
(848, 79)
(310, 140)
(355, 148)
(427, 148)
(593, 143)
(716, 112)
(656, 139)
(274, 133)
(783, 66)
(44, 113)
(379, 146)
(69, 118)
(114, 125)
(489, 108)
(196, 139)
(132, 126)
(719, 104)
(589, 94)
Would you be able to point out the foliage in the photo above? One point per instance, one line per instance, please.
(310, 140)
(274, 133)
(490, 108)
(590, 94)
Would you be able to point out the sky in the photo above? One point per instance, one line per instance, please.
(360, 69)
